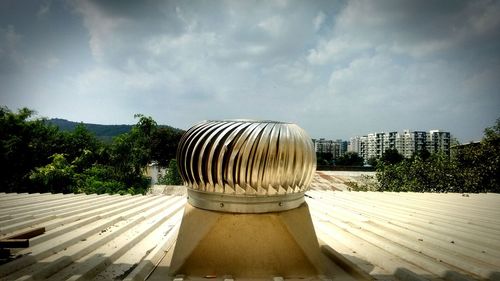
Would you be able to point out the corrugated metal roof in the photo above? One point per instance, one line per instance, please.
(412, 235)
(100, 237)
(407, 236)
(338, 180)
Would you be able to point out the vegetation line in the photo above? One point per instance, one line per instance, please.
(37, 156)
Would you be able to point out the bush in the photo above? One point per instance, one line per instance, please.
(101, 179)
(37, 157)
(363, 183)
(475, 168)
(57, 176)
(350, 159)
(436, 174)
(172, 176)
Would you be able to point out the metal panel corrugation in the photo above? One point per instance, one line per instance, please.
(391, 236)
(412, 236)
(247, 158)
(100, 237)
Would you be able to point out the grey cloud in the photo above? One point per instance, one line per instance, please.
(44, 9)
(415, 28)
(10, 59)
(244, 32)
(337, 68)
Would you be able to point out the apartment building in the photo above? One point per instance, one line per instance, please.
(407, 143)
(355, 144)
(375, 145)
(438, 141)
(411, 142)
(389, 140)
(336, 147)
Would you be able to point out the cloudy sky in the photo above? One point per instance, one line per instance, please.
(336, 68)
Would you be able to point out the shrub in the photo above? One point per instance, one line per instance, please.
(172, 176)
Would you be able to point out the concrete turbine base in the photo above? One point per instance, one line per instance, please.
(247, 246)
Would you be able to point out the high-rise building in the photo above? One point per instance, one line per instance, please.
(438, 141)
(354, 145)
(390, 140)
(364, 147)
(342, 147)
(410, 142)
(323, 145)
(336, 147)
(407, 143)
(359, 145)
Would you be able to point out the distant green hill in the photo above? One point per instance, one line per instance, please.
(104, 132)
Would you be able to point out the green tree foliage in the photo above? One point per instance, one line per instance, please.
(82, 144)
(164, 145)
(24, 145)
(350, 159)
(480, 163)
(372, 161)
(435, 174)
(475, 168)
(57, 176)
(391, 156)
(324, 158)
(37, 157)
(423, 154)
(132, 151)
(172, 177)
(105, 179)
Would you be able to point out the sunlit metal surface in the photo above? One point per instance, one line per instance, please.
(392, 236)
(249, 159)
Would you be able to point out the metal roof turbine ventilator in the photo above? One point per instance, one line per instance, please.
(245, 166)
(246, 215)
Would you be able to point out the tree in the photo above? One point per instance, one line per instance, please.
(372, 161)
(324, 158)
(57, 176)
(350, 159)
(172, 177)
(131, 152)
(82, 148)
(424, 154)
(391, 156)
(35, 156)
(25, 143)
(475, 168)
(164, 145)
(480, 163)
(100, 179)
(434, 174)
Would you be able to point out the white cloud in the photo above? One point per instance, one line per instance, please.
(422, 49)
(336, 49)
(273, 25)
(418, 30)
(102, 27)
(336, 68)
(319, 20)
(293, 74)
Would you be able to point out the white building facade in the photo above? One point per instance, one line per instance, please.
(438, 141)
(336, 147)
(407, 143)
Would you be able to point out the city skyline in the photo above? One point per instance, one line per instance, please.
(336, 68)
(374, 144)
